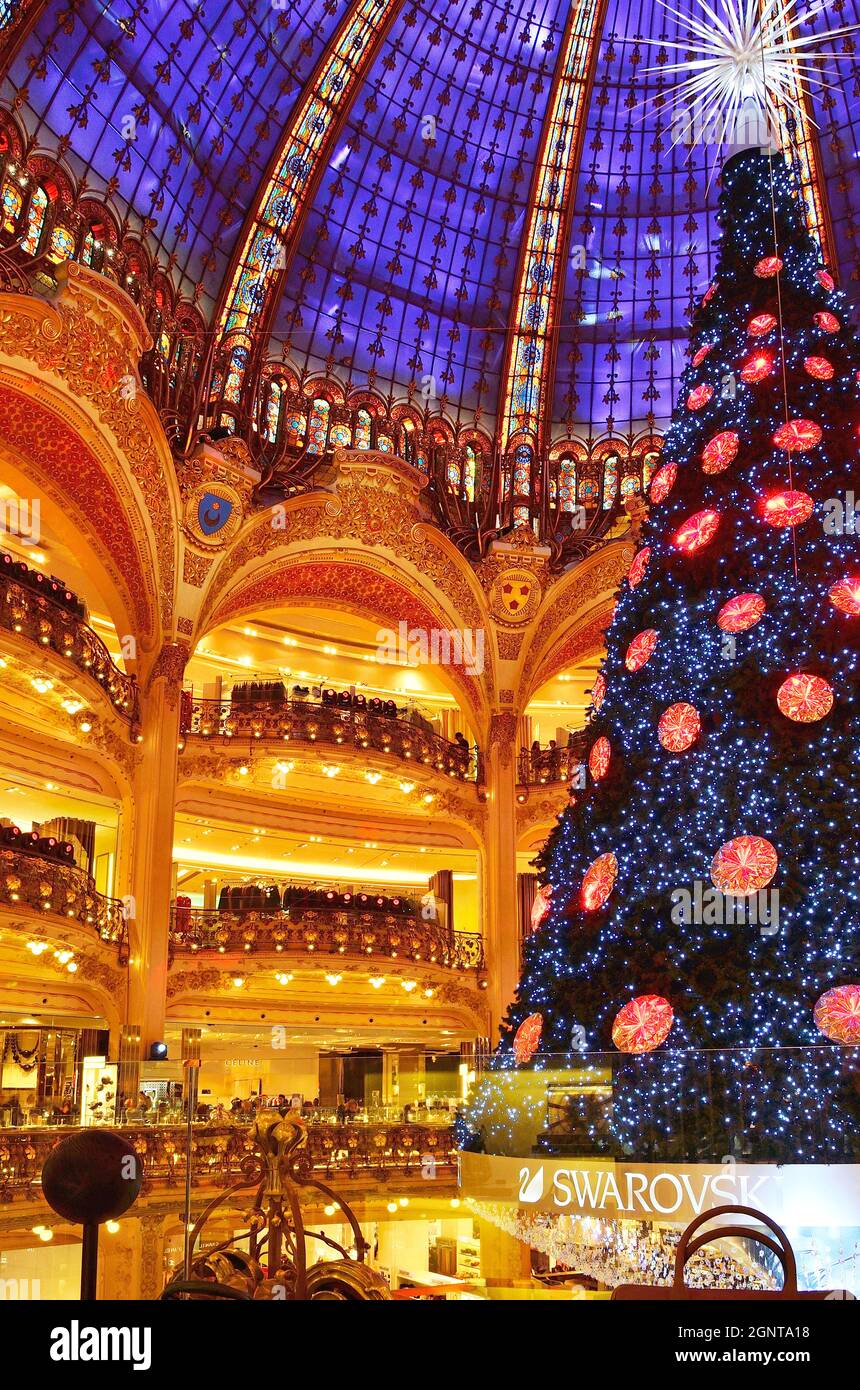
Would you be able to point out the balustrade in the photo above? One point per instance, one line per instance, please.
(51, 625)
(27, 880)
(321, 931)
(223, 1153)
(310, 722)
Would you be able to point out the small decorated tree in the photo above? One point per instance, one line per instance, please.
(703, 903)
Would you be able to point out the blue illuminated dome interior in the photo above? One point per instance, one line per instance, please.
(408, 252)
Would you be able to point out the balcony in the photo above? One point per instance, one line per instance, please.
(308, 722)
(539, 766)
(50, 624)
(325, 931)
(222, 1154)
(61, 890)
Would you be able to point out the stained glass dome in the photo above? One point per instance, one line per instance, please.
(474, 206)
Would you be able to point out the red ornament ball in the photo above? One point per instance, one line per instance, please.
(837, 1014)
(719, 452)
(756, 368)
(541, 905)
(599, 758)
(818, 367)
(805, 698)
(638, 566)
(796, 435)
(761, 324)
(663, 482)
(641, 649)
(827, 322)
(741, 612)
(697, 531)
(767, 266)
(699, 396)
(679, 727)
(787, 508)
(643, 1024)
(845, 595)
(599, 882)
(709, 293)
(598, 692)
(702, 354)
(527, 1037)
(826, 279)
(744, 865)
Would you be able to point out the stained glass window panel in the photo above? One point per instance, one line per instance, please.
(567, 484)
(35, 222)
(12, 201)
(318, 434)
(362, 429)
(610, 481)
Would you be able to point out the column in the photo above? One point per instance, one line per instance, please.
(500, 899)
(505, 1261)
(154, 799)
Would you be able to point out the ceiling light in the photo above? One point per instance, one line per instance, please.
(72, 706)
(41, 684)
(238, 981)
(334, 979)
(377, 981)
(330, 1209)
(409, 985)
(330, 771)
(373, 777)
(392, 1207)
(407, 787)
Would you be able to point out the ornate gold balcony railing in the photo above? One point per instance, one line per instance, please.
(49, 624)
(336, 931)
(61, 890)
(221, 1154)
(306, 722)
(540, 766)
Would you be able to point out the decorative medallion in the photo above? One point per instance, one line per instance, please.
(515, 596)
(213, 514)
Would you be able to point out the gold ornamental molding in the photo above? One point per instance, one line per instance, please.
(371, 501)
(90, 339)
(581, 598)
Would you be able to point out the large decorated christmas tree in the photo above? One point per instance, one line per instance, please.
(700, 900)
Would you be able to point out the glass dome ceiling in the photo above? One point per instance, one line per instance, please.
(417, 228)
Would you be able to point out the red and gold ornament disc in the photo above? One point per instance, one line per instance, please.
(699, 396)
(643, 1024)
(599, 758)
(638, 566)
(741, 612)
(837, 1014)
(719, 452)
(787, 508)
(845, 595)
(804, 698)
(599, 882)
(527, 1037)
(641, 649)
(697, 531)
(744, 865)
(679, 727)
(663, 482)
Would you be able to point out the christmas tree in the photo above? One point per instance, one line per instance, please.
(700, 899)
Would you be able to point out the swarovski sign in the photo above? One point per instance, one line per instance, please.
(811, 1194)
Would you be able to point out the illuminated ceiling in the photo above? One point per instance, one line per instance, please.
(408, 227)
